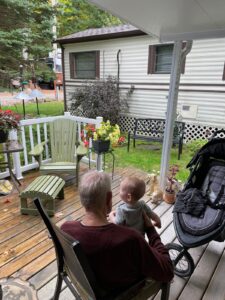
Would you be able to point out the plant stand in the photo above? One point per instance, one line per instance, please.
(9, 148)
(99, 159)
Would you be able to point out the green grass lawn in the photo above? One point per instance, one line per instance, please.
(148, 157)
(53, 108)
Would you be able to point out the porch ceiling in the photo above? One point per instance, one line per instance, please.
(171, 19)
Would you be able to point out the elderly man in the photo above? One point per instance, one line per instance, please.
(119, 256)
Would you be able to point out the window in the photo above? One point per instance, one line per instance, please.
(84, 65)
(163, 60)
(160, 59)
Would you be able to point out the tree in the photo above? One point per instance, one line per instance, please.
(78, 15)
(25, 30)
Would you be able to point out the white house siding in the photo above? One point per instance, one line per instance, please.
(201, 86)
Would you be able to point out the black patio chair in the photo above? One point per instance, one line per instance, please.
(74, 269)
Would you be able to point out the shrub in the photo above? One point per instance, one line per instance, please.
(100, 98)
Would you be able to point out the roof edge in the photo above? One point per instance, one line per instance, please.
(106, 36)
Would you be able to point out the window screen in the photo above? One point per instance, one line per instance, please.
(164, 59)
(85, 65)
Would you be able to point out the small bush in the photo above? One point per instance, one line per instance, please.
(100, 98)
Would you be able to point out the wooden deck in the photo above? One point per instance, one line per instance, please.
(26, 251)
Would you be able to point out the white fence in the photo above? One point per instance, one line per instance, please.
(35, 131)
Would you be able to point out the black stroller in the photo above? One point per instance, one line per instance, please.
(199, 211)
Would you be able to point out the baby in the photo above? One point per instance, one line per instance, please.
(131, 212)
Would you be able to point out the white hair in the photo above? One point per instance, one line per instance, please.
(93, 189)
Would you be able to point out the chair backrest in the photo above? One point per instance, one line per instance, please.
(72, 261)
(70, 257)
(63, 140)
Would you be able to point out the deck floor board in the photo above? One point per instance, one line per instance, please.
(27, 252)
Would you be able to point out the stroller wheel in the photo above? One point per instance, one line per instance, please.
(182, 260)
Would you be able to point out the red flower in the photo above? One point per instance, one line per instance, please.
(9, 120)
(8, 112)
(86, 143)
(121, 140)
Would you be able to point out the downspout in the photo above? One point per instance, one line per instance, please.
(178, 57)
(63, 72)
(118, 69)
(103, 64)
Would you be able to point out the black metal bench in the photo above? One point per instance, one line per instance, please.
(153, 130)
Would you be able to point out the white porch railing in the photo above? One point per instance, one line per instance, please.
(34, 131)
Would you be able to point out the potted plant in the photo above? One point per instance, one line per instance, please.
(171, 185)
(8, 121)
(104, 135)
(87, 133)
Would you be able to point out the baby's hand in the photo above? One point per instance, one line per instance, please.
(156, 221)
(147, 220)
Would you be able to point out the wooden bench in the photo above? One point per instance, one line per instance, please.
(153, 130)
(46, 188)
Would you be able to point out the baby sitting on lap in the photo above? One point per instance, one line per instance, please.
(132, 211)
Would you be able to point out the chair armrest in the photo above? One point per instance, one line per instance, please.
(81, 150)
(38, 149)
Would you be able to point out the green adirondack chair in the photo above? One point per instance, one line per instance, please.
(66, 151)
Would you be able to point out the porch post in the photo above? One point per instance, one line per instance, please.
(178, 56)
(67, 114)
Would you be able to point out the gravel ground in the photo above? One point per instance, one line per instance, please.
(7, 98)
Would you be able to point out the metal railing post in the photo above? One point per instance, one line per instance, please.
(99, 163)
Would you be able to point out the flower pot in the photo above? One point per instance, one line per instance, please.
(3, 135)
(100, 146)
(169, 197)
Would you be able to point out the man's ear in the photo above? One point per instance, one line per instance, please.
(109, 202)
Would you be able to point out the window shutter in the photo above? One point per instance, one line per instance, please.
(184, 61)
(72, 65)
(97, 68)
(151, 59)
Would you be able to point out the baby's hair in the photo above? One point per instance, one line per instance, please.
(134, 186)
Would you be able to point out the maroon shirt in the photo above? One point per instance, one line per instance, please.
(119, 256)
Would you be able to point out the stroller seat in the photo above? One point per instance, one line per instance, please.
(212, 192)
